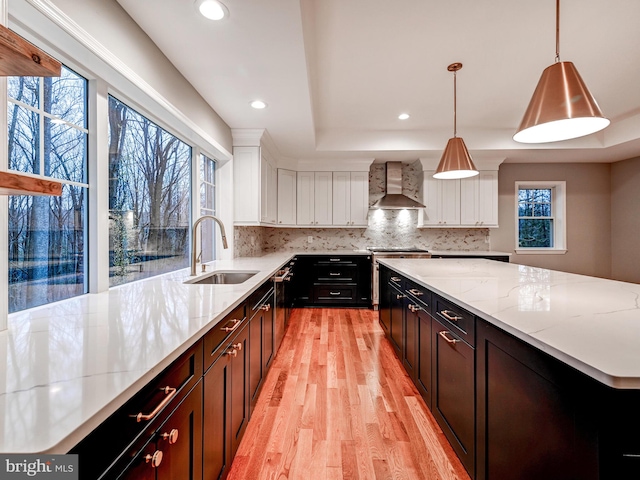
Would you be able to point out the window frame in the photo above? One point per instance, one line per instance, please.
(558, 213)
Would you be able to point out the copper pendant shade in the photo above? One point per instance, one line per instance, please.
(562, 106)
(456, 161)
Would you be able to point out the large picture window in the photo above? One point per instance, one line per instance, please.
(149, 197)
(47, 136)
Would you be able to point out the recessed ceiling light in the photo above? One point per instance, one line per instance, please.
(212, 9)
(258, 104)
(403, 116)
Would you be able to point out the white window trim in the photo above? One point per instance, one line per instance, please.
(559, 205)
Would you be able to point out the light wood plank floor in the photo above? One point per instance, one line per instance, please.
(337, 404)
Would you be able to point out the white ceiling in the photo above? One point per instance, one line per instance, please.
(336, 73)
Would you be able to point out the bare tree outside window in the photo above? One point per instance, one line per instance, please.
(47, 136)
(149, 197)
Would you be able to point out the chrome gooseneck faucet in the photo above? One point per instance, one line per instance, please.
(194, 229)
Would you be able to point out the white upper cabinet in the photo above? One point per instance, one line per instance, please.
(287, 185)
(314, 198)
(442, 201)
(255, 174)
(479, 200)
(468, 202)
(269, 189)
(350, 199)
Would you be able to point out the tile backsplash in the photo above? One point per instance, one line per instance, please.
(387, 228)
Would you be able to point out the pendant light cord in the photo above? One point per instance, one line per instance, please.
(455, 129)
(557, 31)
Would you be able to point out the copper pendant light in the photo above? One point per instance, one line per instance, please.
(456, 161)
(562, 106)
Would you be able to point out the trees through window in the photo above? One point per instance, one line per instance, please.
(149, 197)
(47, 136)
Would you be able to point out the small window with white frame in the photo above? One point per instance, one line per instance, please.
(540, 217)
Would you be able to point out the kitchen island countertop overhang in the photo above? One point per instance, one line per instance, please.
(589, 323)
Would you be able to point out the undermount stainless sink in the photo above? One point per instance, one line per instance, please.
(223, 277)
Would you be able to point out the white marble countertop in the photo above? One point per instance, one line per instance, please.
(67, 366)
(590, 323)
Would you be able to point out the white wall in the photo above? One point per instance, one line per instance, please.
(588, 197)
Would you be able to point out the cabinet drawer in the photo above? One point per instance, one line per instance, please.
(336, 273)
(418, 295)
(459, 320)
(142, 413)
(216, 337)
(334, 293)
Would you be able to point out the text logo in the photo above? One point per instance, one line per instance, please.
(49, 467)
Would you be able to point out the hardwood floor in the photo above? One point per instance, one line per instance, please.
(337, 404)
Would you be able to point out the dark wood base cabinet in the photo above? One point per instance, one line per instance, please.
(226, 406)
(201, 405)
(453, 397)
(509, 410)
(535, 416)
(333, 281)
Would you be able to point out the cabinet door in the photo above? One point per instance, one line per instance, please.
(256, 373)
(442, 201)
(359, 198)
(453, 401)
(323, 198)
(384, 297)
(239, 388)
(410, 337)
(423, 361)
(305, 206)
(449, 197)
(180, 440)
(536, 416)
(479, 200)
(247, 196)
(216, 416)
(341, 198)
(268, 337)
(488, 198)
(268, 188)
(286, 197)
(396, 320)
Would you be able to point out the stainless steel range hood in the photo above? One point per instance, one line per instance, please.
(393, 198)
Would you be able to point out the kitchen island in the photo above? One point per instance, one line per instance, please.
(531, 373)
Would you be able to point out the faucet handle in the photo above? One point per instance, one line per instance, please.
(199, 257)
(204, 267)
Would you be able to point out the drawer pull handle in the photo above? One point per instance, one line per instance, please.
(155, 459)
(266, 307)
(237, 346)
(446, 314)
(399, 296)
(395, 279)
(236, 324)
(170, 393)
(233, 352)
(416, 292)
(332, 274)
(414, 308)
(172, 436)
(334, 293)
(444, 335)
(334, 259)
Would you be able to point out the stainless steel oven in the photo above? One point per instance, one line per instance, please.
(389, 252)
